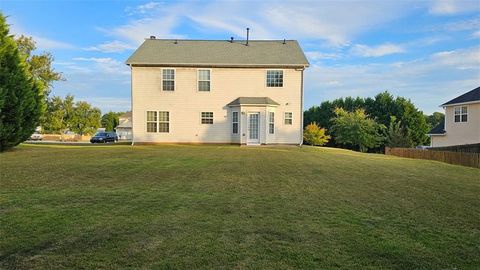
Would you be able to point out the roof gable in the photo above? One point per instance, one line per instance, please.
(438, 130)
(219, 53)
(471, 96)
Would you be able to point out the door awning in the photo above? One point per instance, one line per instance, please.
(256, 101)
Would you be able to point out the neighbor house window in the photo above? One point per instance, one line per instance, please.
(168, 79)
(234, 122)
(164, 122)
(288, 118)
(271, 122)
(203, 80)
(274, 78)
(461, 114)
(207, 117)
(152, 121)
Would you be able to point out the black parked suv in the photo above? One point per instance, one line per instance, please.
(104, 137)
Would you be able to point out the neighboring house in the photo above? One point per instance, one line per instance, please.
(215, 91)
(124, 128)
(462, 121)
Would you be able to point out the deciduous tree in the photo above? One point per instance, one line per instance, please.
(356, 131)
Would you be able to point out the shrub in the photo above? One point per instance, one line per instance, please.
(315, 135)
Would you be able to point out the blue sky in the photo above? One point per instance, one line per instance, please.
(428, 51)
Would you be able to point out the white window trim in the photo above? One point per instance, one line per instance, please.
(285, 118)
(157, 121)
(146, 122)
(198, 80)
(163, 122)
(460, 114)
(236, 122)
(270, 122)
(283, 78)
(174, 80)
(213, 117)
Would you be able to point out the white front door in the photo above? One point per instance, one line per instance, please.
(253, 128)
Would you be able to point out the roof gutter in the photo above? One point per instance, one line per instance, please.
(459, 103)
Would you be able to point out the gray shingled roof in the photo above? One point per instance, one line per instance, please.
(219, 53)
(438, 130)
(473, 95)
(253, 101)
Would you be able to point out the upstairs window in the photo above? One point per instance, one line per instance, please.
(207, 117)
(168, 79)
(271, 122)
(235, 122)
(152, 121)
(274, 78)
(461, 114)
(204, 80)
(288, 118)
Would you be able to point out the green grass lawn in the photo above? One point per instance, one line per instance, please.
(229, 207)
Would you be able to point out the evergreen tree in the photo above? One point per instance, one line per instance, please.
(21, 96)
(111, 120)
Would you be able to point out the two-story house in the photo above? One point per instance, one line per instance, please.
(217, 91)
(462, 121)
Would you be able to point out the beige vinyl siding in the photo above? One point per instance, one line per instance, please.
(186, 103)
(459, 133)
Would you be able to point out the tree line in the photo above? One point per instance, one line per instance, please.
(25, 84)
(370, 124)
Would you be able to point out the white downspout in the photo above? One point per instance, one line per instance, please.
(131, 100)
(301, 108)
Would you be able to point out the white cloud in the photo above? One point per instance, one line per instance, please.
(112, 47)
(316, 55)
(376, 51)
(143, 9)
(107, 104)
(428, 81)
(452, 7)
(42, 43)
(476, 34)
(105, 65)
(318, 20)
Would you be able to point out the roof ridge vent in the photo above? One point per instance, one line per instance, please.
(152, 37)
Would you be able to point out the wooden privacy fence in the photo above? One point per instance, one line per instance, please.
(457, 158)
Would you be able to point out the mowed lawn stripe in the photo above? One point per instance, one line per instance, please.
(211, 207)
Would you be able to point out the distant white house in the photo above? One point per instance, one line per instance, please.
(462, 121)
(124, 128)
(218, 91)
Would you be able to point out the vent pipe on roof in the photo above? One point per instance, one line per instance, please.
(231, 39)
(284, 41)
(248, 30)
(176, 41)
(152, 37)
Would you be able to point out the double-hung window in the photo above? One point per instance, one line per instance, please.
(164, 122)
(274, 78)
(288, 118)
(235, 122)
(152, 121)
(461, 114)
(207, 117)
(168, 79)
(271, 122)
(204, 80)
(158, 121)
